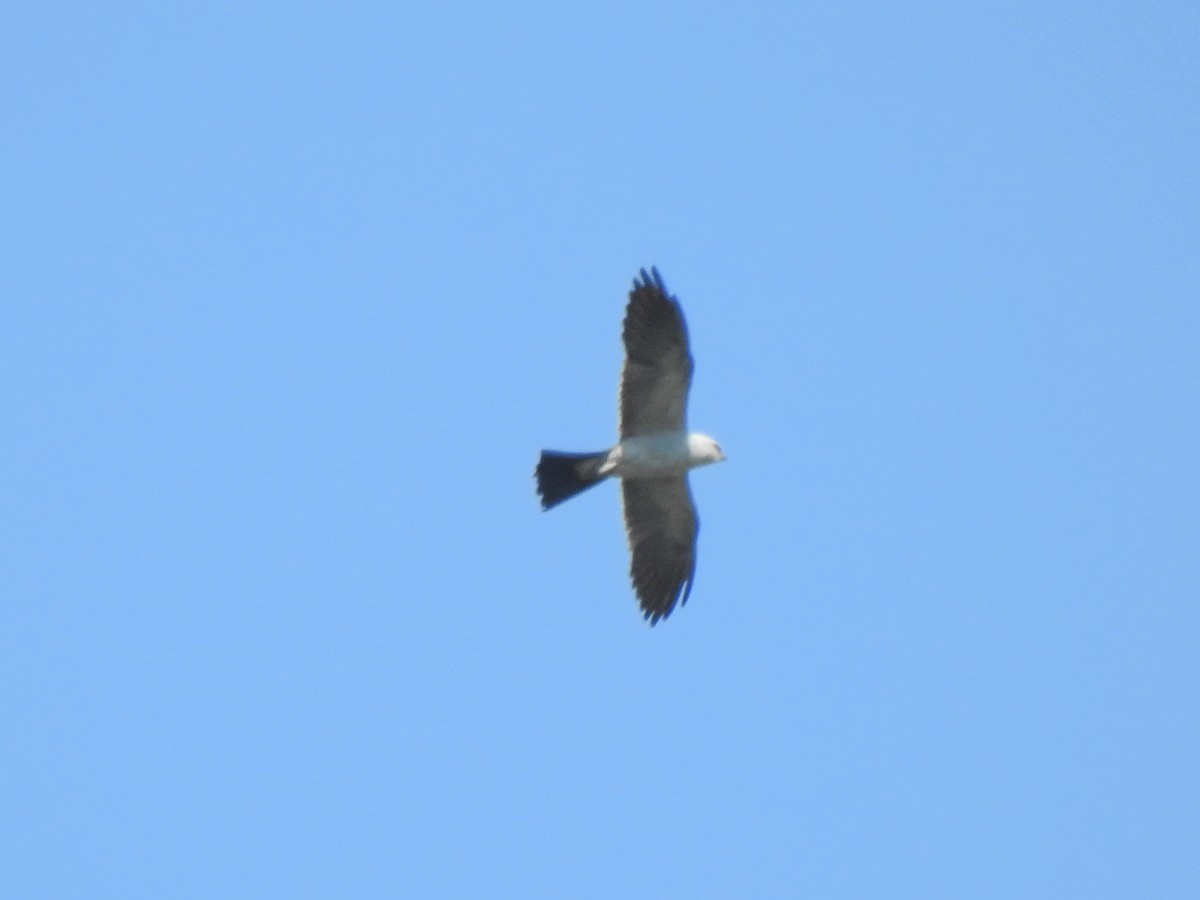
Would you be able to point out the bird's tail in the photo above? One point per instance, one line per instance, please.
(560, 476)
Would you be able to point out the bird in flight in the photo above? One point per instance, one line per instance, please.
(654, 454)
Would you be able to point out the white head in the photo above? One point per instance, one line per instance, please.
(703, 450)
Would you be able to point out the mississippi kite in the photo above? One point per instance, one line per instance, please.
(653, 455)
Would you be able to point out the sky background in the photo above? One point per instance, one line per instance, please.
(294, 293)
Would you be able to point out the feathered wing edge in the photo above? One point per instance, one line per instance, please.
(657, 372)
(661, 527)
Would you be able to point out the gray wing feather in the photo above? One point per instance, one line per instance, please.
(661, 525)
(658, 364)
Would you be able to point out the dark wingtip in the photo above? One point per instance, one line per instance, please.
(650, 280)
(654, 612)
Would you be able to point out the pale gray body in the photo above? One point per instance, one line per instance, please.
(658, 455)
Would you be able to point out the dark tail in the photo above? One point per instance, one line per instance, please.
(560, 476)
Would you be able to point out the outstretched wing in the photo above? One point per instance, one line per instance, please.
(658, 365)
(661, 525)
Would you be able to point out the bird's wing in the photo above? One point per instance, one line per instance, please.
(658, 365)
(661, 525)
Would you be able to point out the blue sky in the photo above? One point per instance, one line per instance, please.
(295, 293)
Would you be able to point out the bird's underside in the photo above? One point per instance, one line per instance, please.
(654, 455)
